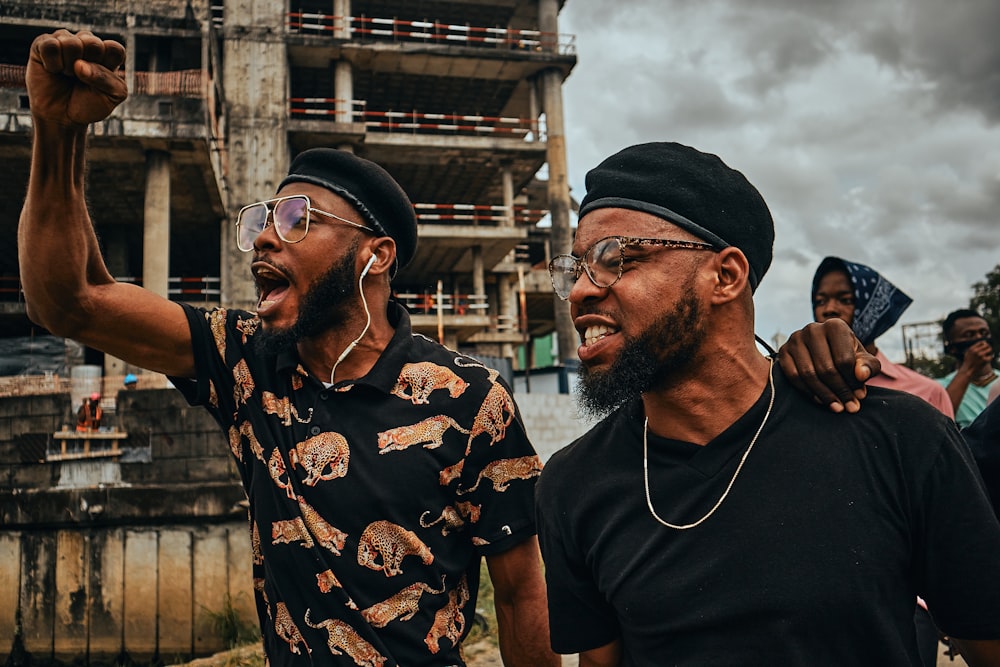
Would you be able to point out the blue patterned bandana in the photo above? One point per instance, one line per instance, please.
(878, 303)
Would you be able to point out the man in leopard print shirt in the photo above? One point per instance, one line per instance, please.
(306, 388)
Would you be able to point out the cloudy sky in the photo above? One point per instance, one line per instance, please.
(871, 128)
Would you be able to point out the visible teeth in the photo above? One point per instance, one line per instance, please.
(594, 334)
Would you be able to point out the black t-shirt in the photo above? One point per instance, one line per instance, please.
(372, 501)
(983, 436)
(833, 526)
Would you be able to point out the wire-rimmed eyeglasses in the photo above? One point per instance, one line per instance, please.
(603, 261)
(290, 216)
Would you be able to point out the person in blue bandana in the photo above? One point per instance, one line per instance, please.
(871, 305)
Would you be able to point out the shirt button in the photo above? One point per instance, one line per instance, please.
(314, 430)
(324, 395)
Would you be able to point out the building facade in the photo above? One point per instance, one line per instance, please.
(460, 101)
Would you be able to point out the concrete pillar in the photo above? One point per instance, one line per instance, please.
(156, 223)
(478, 273)
(343, 90)
(548, 23)
(505, 295)
(130, 54)
(341, 26)
(533, 108)
(559, 201)
(255, 76)
(507, 183)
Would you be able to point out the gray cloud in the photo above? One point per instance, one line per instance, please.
(870, 128)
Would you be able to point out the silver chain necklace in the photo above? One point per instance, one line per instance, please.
(645, 462)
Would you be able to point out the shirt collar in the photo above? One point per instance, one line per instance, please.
(385, 372)
(888, 368)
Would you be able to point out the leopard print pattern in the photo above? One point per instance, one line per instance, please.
(246, 430)
(276, 467)
(292, 530)
(244, 385)
(326, 581)
(285, 628)
(392, 543)
(504, 471)
(217, 324)
(450, 517)
(449, 621)
(425, 377)
(495, 415)
(326, 450)
(328, 537)
(342, 638)
(453, 518)
(247, 328)
(451, 473)
(258, 556)
(258, 588)
(402, 606)
(236, 443)
(429, 433)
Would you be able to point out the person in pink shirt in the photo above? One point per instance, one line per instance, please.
(870, 304)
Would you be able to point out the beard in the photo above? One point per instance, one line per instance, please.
(650, 361)
(324, 306)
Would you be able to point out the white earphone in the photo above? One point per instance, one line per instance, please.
(368, 316)
(364, 271)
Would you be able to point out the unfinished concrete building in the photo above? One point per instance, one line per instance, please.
(460, 101)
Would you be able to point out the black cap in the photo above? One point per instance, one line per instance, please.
(368, 187)
(693, 190)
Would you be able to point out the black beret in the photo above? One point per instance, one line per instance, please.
(691, 189)
(368, 187)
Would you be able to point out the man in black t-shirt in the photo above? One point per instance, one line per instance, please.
(716, 516)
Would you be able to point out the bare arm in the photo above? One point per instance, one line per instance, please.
(73, 81)
(976, 361)
(980, 652)
(827, 362)
(522, 616)
(609, 655)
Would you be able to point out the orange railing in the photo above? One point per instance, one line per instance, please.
(477, 213)
(398, 30)
(190, 289)
(183, 83)
(428, 303)
(12, 76)
(415, 122)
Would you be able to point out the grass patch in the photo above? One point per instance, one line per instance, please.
(484, 623)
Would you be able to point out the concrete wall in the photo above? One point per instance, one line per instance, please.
(139, 555)
(552, 420)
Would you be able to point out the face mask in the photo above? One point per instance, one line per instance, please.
(959, 349)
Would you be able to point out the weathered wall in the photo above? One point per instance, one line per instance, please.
(98, 556)
(552, 420)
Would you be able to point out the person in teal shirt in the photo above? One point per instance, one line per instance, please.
(968, 339)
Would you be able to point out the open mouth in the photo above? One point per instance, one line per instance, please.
(271, 286)
(596, 333)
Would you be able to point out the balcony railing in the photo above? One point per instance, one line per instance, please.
(415, 122)
(430, 303)
(12, 76)
(189, 289)
(476, 214)
(397, 30)
(183, 83)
